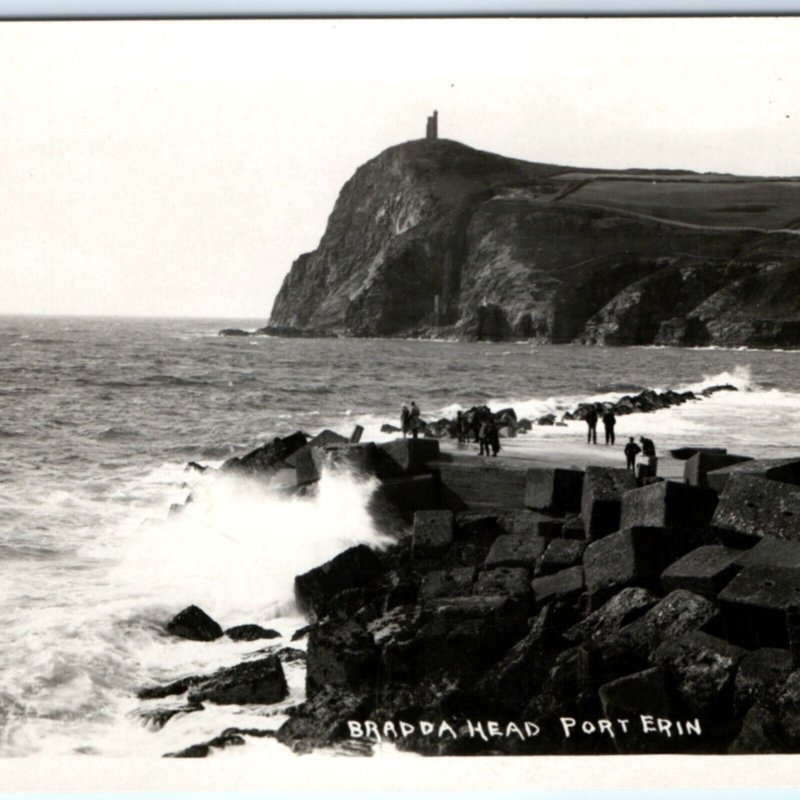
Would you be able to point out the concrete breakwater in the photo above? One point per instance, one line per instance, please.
(527, 609)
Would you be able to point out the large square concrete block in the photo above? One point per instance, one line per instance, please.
(771, 553)
(554, 489)
(433, 532)
(632, 557)
(566, 583)
(705, 570)
(755, 603)
(601, 499)
(668, 504)
(515, 550)
(482, 485)
(700, 464)
(786, 470)
(757, 508)
(405, 457)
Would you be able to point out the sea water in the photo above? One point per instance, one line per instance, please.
(98, 418)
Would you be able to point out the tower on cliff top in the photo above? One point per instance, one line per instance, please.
(432, 128)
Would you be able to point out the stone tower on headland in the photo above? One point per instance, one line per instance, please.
(432, 128)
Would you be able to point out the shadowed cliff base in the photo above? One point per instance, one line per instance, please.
(433, 238)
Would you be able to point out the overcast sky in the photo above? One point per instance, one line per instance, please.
(178, 168)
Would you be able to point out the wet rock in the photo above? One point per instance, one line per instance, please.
(515, 550)
(785, 470)
(503, 581)
(176, 687)
(622, 699)
(250, 633)
(754, 605)
(703, 667)
(668, 504)
(291, 655)
(700, 464)
(678, 613)
(269, 457)
(260, 682)
(622, 609)
(705, 570)
(632, 557)
(523, 669)
(433, 532)
(455, 637)
(546, 419)
(601, 499)
(340, 654)
(553, 489)
(157, 718)
(560, 554)
(754, 508)
(560, 585)
(193, 465)
(387, 428)
(193, 623)
(355, 568)
(761, 733)
(762, 675)
(301, 633)
(448, 583)
(230, 737)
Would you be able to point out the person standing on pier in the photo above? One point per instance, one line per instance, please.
(414, 421)
(631, 451)
(591, 421)
(609, 422)
(405, 416)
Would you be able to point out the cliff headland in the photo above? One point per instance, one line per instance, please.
(434, 238)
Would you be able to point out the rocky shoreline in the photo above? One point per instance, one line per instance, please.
(525, 609)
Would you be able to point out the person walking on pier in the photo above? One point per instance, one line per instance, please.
(609, 421)
(631, 451)
(591, 421)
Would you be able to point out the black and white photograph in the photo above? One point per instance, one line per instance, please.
(399, 388)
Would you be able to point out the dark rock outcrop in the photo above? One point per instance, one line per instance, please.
(194, 623)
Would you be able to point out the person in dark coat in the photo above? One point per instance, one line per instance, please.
(631, 451)
(493, 436)
(405, 417)
(483, 438)
(648, 447)
(414, 421)
(591, 421)
(609, 422)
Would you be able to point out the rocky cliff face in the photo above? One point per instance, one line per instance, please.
(435, 238)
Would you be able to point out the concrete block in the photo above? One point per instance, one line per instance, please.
(562, 584)
(448, 583)
(503, 581)
(560, 554)
(481, 485)
(515, 550)
(684, 453)
(621, 609)
(534, 523)
(754, 508)
(405, 457)
(403, 497)
(632, 557)
(433, 532)
(761, 675)
(668, 504)
(771, 553)
(701, 463)
(786, 470)
(754, 605)
(705, 570)
(553, 489)
(601, 499)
